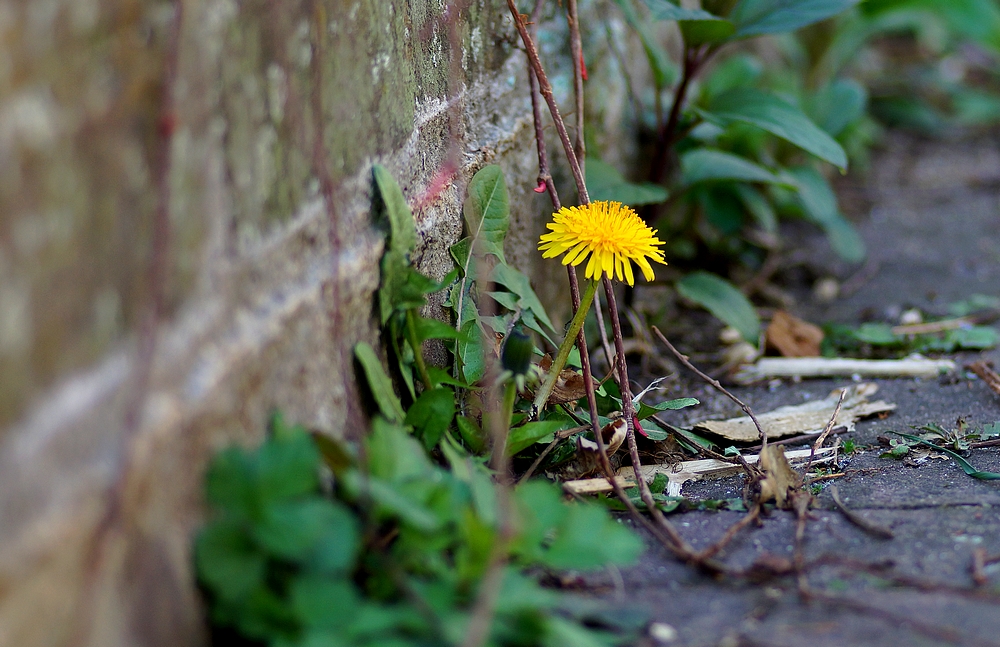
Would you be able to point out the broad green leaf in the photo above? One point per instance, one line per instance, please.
(697, 25)
(288, 467)
(723, 300)
(519, 284)
(470, 352)
(431, 414)
(323, 603)
(706, 32)
(664, 70)
(975, 338)
(706, 165)
(227, 560)
(820, 205)
(722, 207)
(396, 286)
(756, 17)
(759, 207)
(394, 455)
(778, 117)
(646, 410)
(402, 230)
(590, 539)
(472, 435)
(231, 483)
(291, 529)
(604, 182)
(664, 10)
(487, 210)
(379, 383)
(434, 329)
(879, 334)
(838, 105)
(526, 435)
(337, 547)
(461, 253)
(734, 72)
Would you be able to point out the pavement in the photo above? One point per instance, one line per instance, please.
(929, 212)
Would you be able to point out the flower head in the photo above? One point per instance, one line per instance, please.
(612, 234)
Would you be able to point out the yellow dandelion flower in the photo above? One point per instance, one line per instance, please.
(612, 234)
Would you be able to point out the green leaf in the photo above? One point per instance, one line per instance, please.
(487, 210)
(820, 205)
(646, 410)
(394, 455)
(396, 285)
(431, 414)
(402, 229)
(664, 70)
(879, 334)
(707, 165)
(427, 328)
(706, 31)
(736, 71)
(526, 435)
(470, 351)
(227, 561)
(759, 207)
(323, 603)
(756, 17)
(291, 529)
(472, 435)
(336, 548)
(839, 104)
(697, 25)
(288, 466)
(964, 464)
(231, 483)
(974, 338)
(604, 182)
(723, 300)
(664, 10)
(519, 284)
(379, 383)
(778, 117)
(590, 539)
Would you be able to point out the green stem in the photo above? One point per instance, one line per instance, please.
(567, 345)
(509, 396)
(418, 356)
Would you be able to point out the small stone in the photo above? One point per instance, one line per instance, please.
(826, 289)
(730, 335)
(912, 316)
(662, 633)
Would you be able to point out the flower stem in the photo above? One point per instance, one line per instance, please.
(507, 412)
(560, 361)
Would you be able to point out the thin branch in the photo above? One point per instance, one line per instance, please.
(545, 88)
(576, 51)
(859, 521)
(628, 410)
(714, 384)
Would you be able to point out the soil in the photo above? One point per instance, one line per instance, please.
(931, 221)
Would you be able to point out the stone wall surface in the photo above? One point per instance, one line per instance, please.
(186, 246)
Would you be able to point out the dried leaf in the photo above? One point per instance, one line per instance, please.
(779, 477)
(806, 418)
(793, 337)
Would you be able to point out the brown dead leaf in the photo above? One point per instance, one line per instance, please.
(779, 477)
(793, 337)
